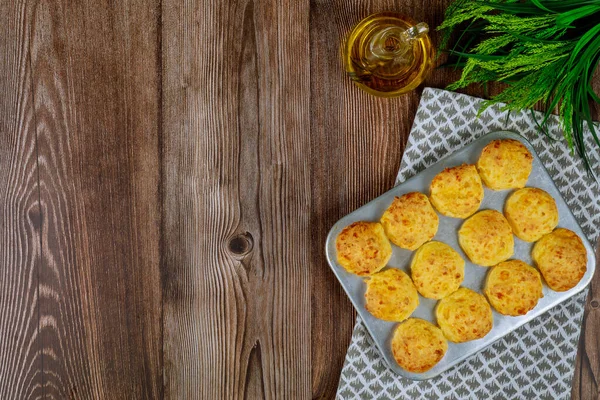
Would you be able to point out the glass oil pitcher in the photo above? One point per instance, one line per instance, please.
(388, 54)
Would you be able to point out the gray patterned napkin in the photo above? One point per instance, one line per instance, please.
(536, 360)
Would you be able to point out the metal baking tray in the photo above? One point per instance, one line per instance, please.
(355, 286)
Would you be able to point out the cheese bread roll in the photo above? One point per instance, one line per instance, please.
(391, 295)
(486, 238)
(362, 248)
(418, 345)
(532, 213)
(513, 287)
(561, 258)
(464, 315)
(437, 270)
(457, 192)
(410, 221)
(505, 164)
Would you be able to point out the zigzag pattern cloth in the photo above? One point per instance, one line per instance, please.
(534, 361)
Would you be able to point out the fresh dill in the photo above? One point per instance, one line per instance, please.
(546, 51)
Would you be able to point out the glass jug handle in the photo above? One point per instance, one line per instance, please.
(393, 42)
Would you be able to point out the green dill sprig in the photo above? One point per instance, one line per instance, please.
(546, 51)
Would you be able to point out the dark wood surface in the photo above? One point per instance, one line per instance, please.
(95, 87)
(168, 173)
(80, 283)
(237, 201)
(587, 365)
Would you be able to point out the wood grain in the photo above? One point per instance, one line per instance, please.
(357, 144)
(169, 171)
(96, 90)
(586, 380)
(237, 199)
(20, 222)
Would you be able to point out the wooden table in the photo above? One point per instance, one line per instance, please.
(168, 173)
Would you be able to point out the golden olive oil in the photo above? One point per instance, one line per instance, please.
(388, 54)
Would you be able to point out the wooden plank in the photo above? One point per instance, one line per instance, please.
(20, 222)
(96, 88)
(237, 199)
(357, 144)
(586, 379)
